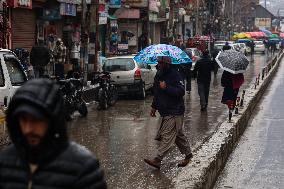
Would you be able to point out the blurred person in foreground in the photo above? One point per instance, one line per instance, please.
(41, 155)
(168, 100)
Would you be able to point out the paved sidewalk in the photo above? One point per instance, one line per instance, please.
(258, 160)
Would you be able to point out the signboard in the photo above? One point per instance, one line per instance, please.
(102, 20)
(263, 22)
(114, 3)
(153, 6)
(122, 47)
(68, 9)
(20, 4)
(51, 14)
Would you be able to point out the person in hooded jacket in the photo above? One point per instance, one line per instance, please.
(226, 46)
(41, 155)
(202, 70)
(168, 100)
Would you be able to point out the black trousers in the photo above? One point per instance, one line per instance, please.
(59, 70)
(203, 91)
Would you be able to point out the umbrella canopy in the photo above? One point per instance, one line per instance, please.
(242, 36)
(244, 40)
(267, 32)
(256, 34)
(232, 61)
(149, 54)
(273, 36)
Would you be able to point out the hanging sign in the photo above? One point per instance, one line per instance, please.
(20, 4)
(114, 3)
(68, 9)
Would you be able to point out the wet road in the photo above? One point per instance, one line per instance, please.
(123, 135)
(258, 160)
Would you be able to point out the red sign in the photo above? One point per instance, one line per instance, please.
(20, 4)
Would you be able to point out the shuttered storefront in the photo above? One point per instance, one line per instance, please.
(23, 28)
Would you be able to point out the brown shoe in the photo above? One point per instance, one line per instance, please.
(156, 162)
(185, 161)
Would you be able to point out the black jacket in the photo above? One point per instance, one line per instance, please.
(202, 70)
(169, 101)
(61, 164)
(226, 47)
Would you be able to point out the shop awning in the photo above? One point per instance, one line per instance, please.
(124, 13)
(112, 17)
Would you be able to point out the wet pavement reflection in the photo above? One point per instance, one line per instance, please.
(123, 136)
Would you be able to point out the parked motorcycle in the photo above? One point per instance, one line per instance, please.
(72, 90)
(107, 93)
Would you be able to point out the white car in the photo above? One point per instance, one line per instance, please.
(259, 47)
(129, 76)
(12, 76)
(242, 48)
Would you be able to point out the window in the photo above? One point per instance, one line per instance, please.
(2, 79)
(16, 72)
(119, 64)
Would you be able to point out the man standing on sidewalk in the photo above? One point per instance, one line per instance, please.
(168, 100)
(60, 58)
(202, 70)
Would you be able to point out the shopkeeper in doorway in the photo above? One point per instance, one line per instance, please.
(60, 58)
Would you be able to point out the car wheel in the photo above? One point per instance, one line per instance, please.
(142, 92)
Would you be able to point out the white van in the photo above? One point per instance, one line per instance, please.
(12, 75)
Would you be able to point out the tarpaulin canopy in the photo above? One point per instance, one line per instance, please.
(282, 35)
(256, 34)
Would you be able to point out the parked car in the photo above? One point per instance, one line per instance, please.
(129, 76)
(259, 47)
(235, 47)
(194, 54)
(243, 48)
(12, 75)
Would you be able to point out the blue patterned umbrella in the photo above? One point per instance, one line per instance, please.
(149, 54)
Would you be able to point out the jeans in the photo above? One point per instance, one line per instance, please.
(203, 91)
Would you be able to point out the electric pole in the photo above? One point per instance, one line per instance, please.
(96, 62)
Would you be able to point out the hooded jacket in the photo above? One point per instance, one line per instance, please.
(60, 163)
(169, 101)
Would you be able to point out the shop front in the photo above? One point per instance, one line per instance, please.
(60, 19)
(23, 21)
(129, 27)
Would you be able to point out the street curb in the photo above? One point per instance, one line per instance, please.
(210, 159)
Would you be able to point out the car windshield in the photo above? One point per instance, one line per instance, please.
(258, 42)
(219, 47)
(16, 72)
(119, 64)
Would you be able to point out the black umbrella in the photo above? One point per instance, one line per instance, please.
(232, 61)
